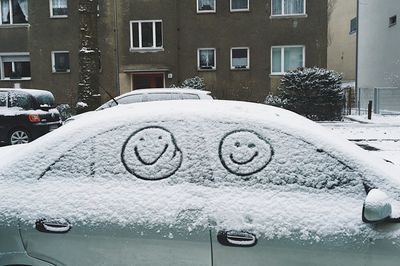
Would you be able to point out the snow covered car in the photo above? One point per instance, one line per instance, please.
(151, 95)
(197, 183)
(161, 94)
(26, 114)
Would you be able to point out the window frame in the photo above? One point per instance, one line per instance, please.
(11, 17)
(18, 54)
(215, 59)
(206, 11)
(240, 10)
(51, 10)
(248, 58)
(291, 14)
(282, 47)
(53, 62)
(140, 41)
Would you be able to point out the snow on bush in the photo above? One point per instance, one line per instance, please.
(65, 111)
(81, 105)
(315, 93)
(194, 83)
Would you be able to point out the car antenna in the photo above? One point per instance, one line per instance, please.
(108, 94)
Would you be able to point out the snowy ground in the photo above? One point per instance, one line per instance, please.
(380, 135)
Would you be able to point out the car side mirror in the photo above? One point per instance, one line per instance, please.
(377, 207)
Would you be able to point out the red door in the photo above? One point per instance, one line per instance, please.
(144, 81)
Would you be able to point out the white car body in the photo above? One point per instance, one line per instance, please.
(194, 183)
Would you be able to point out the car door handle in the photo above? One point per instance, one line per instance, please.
(57, 226)
(236, 239)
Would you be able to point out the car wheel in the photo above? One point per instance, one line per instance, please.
(19, 136)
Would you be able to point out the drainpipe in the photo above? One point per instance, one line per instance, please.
(357, 40)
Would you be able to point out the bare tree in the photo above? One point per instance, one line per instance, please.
(89, 57)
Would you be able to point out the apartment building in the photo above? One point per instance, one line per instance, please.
(379, 55)
(240, 47)
(342, 38)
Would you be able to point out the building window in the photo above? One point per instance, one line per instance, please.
(239, 5)
(353, 25)
(240, 58)
(13, 12)
(58, 8)
(146, 34)
(288, 7)
(206, 59)
(15, 66)
(60, 61)
(392, 21)
(206, 6)
(286, 58)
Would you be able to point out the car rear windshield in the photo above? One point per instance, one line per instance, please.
(45, 100)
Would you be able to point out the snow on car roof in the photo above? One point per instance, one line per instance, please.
(33, 92)
(234, 165)
(169, 90)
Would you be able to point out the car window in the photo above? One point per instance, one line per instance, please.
(106, 105)
(175, 96)
(189, 96)
(3, 98)
(224, 153)
(158, 96)
(45, 100)
(76, 163)
(136, 98)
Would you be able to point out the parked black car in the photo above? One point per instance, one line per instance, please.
(26, 115)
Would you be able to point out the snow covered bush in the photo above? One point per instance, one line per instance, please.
(81, 107)
(315, 93)
(275, 101)
(194, 83)
(65, 111)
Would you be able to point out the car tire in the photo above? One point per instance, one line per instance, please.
(18, 136)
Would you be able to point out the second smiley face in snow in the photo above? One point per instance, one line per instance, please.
(244, 152)
(151, 153)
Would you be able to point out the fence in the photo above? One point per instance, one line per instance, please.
(386, 101)
(348, 100)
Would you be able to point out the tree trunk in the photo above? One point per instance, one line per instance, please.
(89, 57)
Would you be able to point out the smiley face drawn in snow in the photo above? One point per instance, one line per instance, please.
(151, 153)
(244, 152)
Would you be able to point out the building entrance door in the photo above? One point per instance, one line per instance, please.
(144, 81)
